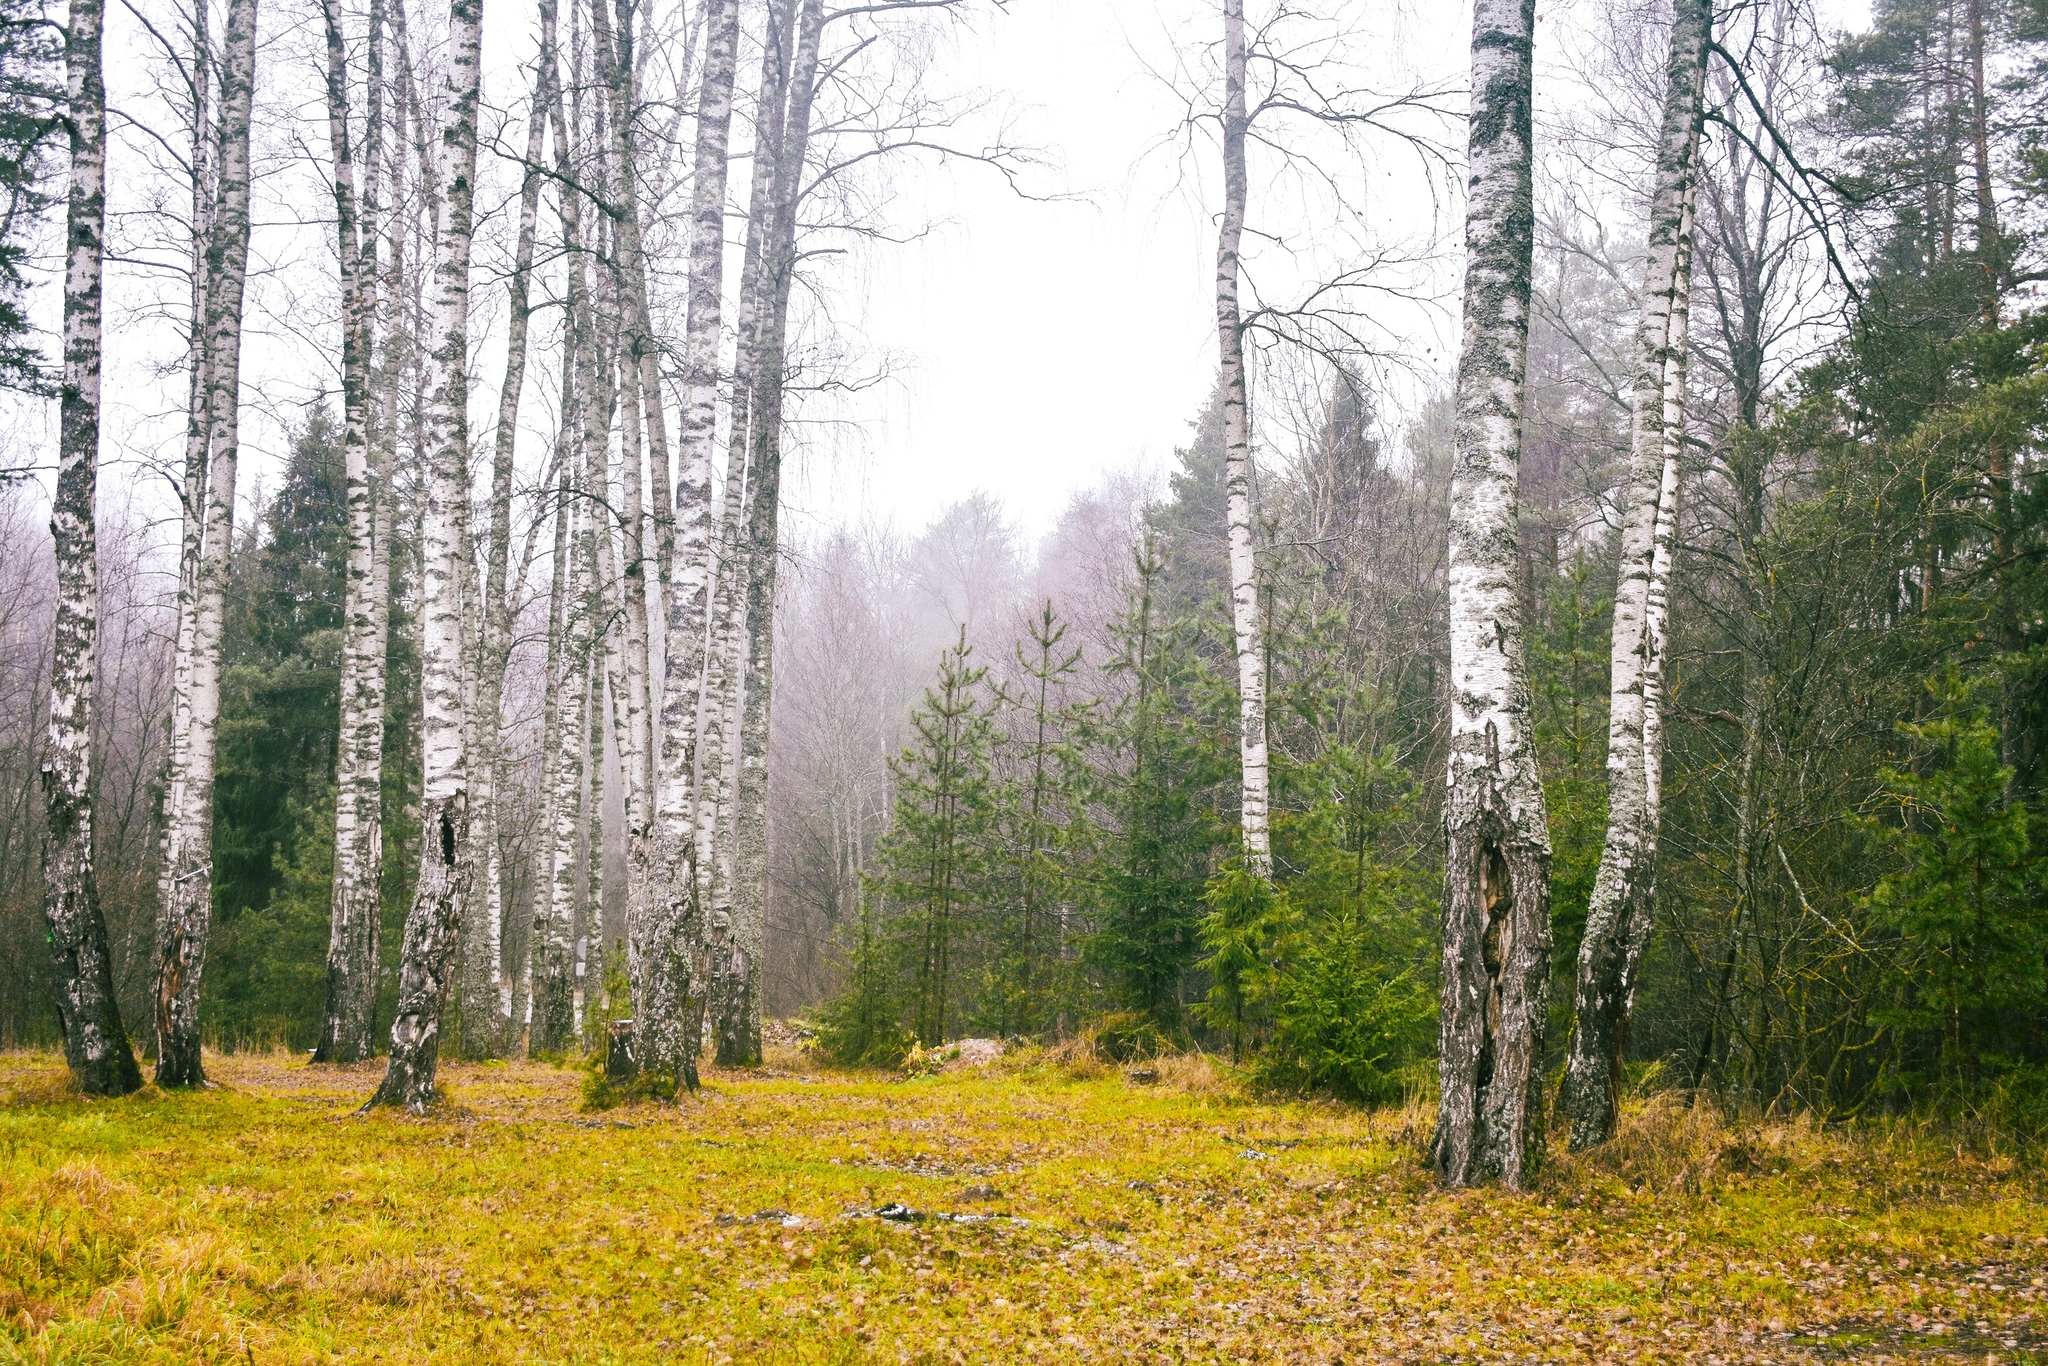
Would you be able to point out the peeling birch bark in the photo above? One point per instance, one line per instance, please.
(1496, 906)
(673, 973)
(433, 924)
(1253, 765)
(1620, 913)
(184, 919)
(81, 960)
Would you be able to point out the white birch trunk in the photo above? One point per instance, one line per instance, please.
(737, 1026)
(346, 1033)
(673, 973)
(1619, 915)
(726, 677)
(486, 990)
(192, 493)
(553, 1020)
(185, 917)
(1254, 786)
(632, 692)
(1496, 907)
(95, 1044)
(433, 924)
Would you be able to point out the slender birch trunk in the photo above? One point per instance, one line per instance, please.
(673, 972)
(1620, 913)
(192, 493)
(1496, 910)
(185, 917)
(552, 1002)
(346, 1032)
(1254, 787)
(95, 1044)
(737, 1026)
(729, 963)
(433, 924)
(631, 694)
(551, 702)
(486, 990)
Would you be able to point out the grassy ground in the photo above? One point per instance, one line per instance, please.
(262, 1221)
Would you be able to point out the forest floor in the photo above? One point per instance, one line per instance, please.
(1056, 1211)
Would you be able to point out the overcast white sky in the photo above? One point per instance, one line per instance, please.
(1038, 345)
(1031, 346)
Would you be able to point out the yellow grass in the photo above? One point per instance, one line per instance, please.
(1181, 1219)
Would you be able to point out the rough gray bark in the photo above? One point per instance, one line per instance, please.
(1253, 767)
(1620, 912)
(95, 1045)
(185, 916)
(670, 1041)
(736, 991)
(1496, 907)
(486, 991)
(347, 1028)
(433, 924)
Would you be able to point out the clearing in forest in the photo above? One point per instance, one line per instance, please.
(1031, 1210)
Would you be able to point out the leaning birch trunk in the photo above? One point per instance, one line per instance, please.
(1254, 799)
(672, 971)
(486, 991)
(737, 1025)
(184, 918)
(1496, 909)
(345, 1034)
(95, 1044)
(1619, 914)
(433, 924)
(543, 894)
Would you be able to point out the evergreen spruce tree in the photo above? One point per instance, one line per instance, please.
(1166, 765)
(1027, 980)
(938, 853)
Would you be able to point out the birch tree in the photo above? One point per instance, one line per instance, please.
(1254, 786)
(486, 991)
(346, 1034)
(1618, 918)
(671, 970)
(186, 913)
(433, 923)
(1496, 903)
(95, 1044)
(738, 1026)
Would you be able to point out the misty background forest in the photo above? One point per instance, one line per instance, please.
(1585, 630)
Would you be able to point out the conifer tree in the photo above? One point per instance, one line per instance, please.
(937, 853)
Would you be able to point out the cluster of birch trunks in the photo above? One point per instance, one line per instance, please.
(659, 610)
(664, 588)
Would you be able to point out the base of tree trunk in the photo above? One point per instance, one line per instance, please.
(427, 960)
